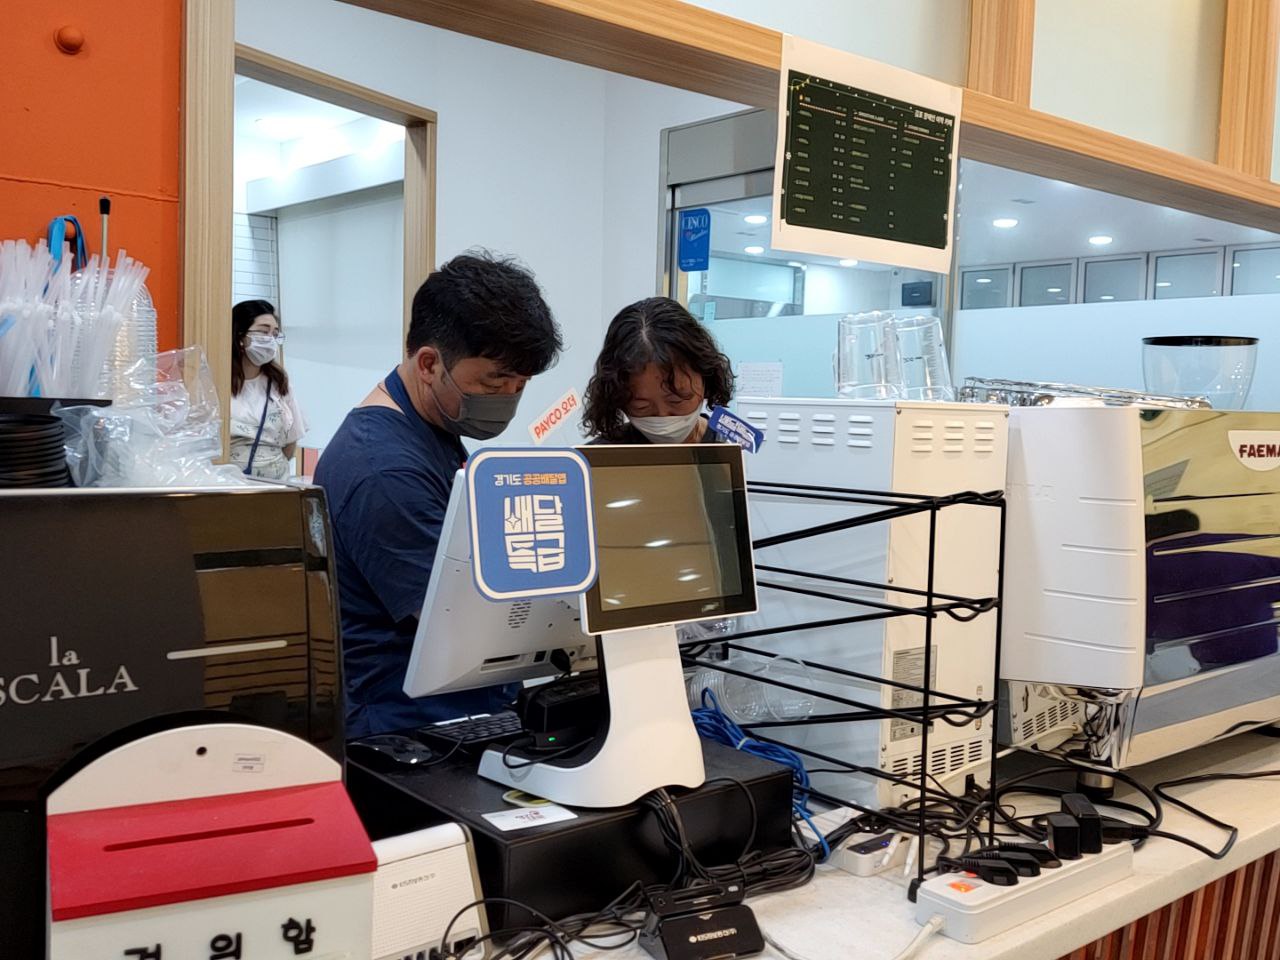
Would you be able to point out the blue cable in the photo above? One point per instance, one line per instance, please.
(712, 723)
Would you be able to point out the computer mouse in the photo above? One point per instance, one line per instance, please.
(391, 751)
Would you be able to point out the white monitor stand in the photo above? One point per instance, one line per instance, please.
(649, 740)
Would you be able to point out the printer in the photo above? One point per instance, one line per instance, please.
(129, 611)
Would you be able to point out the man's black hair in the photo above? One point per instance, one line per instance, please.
(482, 305)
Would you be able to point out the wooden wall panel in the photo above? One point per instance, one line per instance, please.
(665, 41)
(1248, 109)
(1002, 133)
(1233, 918)
(208, 111)
(686, 46)
(1001, 37)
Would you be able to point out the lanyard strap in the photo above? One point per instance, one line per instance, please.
(57, 236)
(253, 451)
(399, 393)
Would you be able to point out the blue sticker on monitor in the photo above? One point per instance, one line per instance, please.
(532, 533)
(693, 240)
(729, 426)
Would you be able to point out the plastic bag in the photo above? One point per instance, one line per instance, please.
(163, 429)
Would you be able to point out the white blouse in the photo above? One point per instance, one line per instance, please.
(285, 423)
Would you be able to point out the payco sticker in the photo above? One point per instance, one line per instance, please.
(560, 413)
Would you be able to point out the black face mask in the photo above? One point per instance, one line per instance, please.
(481, 416)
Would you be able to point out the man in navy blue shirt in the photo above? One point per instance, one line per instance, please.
(479, 329)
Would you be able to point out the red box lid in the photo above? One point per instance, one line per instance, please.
(151, 854)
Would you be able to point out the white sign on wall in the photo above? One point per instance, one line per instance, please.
(866, 161)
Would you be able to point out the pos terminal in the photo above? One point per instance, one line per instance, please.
(673, 546)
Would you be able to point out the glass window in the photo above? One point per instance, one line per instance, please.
(1043, 284)
(1255, 271)
(1121, 278)
(982, 288)
(1197, 274)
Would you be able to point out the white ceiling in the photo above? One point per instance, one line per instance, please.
(1061, 217)
(285, 115)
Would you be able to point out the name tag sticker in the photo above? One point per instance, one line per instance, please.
(732, 428)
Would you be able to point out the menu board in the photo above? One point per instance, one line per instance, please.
(866, 160)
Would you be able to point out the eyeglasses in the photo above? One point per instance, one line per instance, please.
(265, 335)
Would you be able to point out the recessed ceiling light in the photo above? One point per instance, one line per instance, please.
(1106, 296)
(848, 263)
(755, 251)
(1053, 290)
(984, 280)
(1100, 240)
(1164, 283)
(1004, 223)
(755, 218)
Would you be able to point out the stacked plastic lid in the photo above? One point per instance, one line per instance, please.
(31, 452)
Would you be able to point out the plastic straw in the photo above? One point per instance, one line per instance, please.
(56, 336)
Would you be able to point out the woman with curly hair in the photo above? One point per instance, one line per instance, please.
(658, 370)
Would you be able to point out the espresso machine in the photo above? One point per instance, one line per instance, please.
(1142, 590)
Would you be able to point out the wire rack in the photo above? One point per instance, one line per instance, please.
(922, 601)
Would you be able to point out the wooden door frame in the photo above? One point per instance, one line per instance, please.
(419, 146)
(212, 59)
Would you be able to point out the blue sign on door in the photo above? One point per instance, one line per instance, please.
(532, 533)
(693, 244)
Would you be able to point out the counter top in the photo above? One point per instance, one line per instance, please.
(837, 912)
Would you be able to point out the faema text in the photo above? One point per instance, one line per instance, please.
(559, 414)
(1257, 449)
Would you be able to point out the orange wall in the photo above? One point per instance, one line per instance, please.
(105, 121)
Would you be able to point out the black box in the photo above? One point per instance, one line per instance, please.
(580, 865)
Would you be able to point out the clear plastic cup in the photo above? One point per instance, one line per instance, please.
(753, 701)
(926, 375)
(867, 366)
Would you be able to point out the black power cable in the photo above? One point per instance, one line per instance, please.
(624, 917)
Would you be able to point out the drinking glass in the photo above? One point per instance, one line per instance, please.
(867, 366)
(926, 375)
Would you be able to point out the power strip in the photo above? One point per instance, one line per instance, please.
(973, 910)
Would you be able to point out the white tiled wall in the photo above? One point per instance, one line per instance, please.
(256, 275)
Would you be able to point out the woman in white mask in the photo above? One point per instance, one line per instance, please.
(266, 423)
(658, 375)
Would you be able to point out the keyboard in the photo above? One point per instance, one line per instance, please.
(473, 734)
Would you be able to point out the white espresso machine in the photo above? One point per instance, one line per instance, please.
(1142, 586)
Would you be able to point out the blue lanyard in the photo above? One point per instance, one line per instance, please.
(58, 236)
(397, 391)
